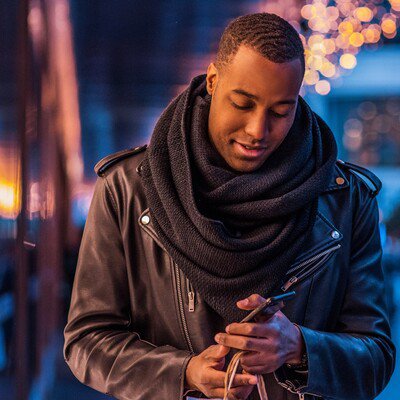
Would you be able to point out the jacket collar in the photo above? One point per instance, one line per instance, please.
(324, 234)
(338, 181)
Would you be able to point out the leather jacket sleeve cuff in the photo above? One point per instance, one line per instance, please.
(184, 391)
(291, 378)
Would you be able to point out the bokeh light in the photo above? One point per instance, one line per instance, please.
(348, 61)
(337, 30)
(323, 87)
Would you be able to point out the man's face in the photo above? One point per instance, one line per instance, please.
(252, 108)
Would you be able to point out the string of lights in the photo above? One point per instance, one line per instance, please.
(333, 32)
(338, 30)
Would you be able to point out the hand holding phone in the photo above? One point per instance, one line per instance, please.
(269, 307)
(265, 310)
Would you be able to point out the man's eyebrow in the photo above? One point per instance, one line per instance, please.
(290, 101)
(254, 97)
(244, 93)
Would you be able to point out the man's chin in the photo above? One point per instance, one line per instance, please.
(245, 166)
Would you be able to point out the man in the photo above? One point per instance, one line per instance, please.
(238, 197)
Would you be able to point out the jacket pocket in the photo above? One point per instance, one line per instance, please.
(309, 267)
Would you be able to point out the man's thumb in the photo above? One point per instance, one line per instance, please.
(217, 351)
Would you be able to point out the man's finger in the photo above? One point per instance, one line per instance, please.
(248, 329)
(251, 302)
(216, 352)
(241, 342)
(244, 380)
(254, 359)
(216, 379)
(267, 326)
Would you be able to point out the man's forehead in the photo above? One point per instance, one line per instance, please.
(247, 56)
(252, 75)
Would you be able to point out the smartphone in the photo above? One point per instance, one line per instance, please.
(269, 307)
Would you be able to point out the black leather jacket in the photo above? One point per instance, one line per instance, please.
(135, 319)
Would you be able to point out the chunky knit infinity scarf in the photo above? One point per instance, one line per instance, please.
(232, 233)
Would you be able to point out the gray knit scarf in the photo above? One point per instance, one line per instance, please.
(232, 233)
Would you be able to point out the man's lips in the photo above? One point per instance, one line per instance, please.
(248, 150)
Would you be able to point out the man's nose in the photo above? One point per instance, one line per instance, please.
(257, 127)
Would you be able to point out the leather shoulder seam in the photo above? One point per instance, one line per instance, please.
(114, 158)
(368, 177)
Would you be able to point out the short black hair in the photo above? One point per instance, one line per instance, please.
(268, 34)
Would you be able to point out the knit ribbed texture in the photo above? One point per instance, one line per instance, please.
(232, 233)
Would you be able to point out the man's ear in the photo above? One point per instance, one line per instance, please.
(212, 78)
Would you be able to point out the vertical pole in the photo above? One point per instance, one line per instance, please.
(21, 360)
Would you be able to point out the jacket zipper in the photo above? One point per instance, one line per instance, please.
(181, 308)
(303, 272)
(190, 295)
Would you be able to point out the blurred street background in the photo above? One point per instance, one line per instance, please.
(80, 79)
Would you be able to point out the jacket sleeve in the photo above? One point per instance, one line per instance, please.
(100, 347)
(357, 360)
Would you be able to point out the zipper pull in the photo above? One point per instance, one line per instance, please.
(301, 396)
(191, 301)
(289, 283)
(190, 295)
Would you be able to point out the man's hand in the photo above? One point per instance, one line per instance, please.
(204, 373)
(270, 342)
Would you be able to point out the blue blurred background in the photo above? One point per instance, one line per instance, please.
(84, 78)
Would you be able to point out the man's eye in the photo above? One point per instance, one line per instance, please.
(275, 114)
(241, 107)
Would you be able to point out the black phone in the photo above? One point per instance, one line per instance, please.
(269, 307)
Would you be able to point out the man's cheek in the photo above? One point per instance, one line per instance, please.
(231, 126)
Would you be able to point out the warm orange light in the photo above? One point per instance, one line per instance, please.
(334, 26)
(320, 9)
(388, 26)
(332, 13)
(315, 62)
(318, 24)
(372, 34)
(346, 8)
(315, 39)
(308, 11)
(9, 204)
(395, 4)
(328, 69)
(346, 28)
(311, 77)
(348, 61)
(390, 35)
(329, 45)
(338, 30)
(364, 14)
(342, 41)
(356, 39)
(318, 49)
